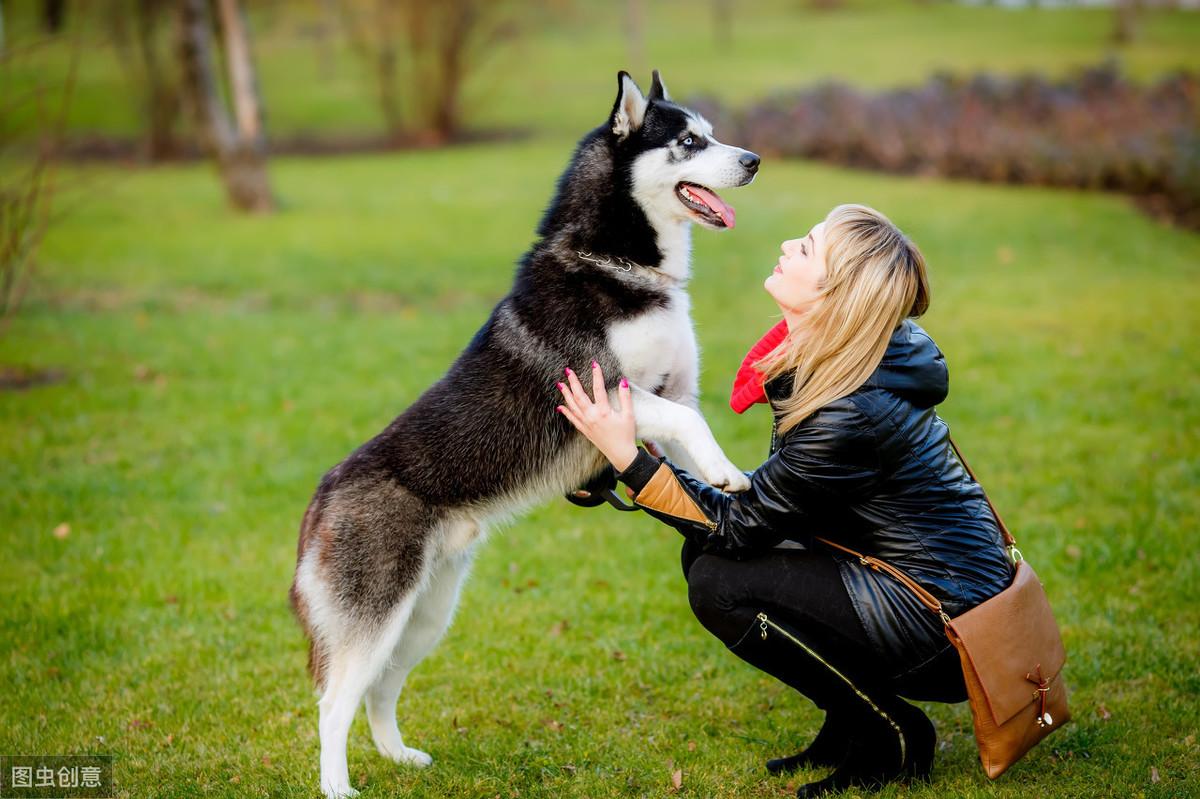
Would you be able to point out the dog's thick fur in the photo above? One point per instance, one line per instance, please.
(388, 537)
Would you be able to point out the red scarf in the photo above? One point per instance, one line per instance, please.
(748, 384)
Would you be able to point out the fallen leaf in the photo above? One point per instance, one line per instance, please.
(1074, 552)
(266, 760)
(569, 768)
(170, 739)
(1103, 711)
(1154, 774)
(560, 627)
(619, 655)
(235, 779)
(62, 531)
(676, 779)
(1188, 741)
(171, 599)
(691, 746)
(553, 724)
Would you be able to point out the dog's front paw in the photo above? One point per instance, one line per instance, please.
(726, 477)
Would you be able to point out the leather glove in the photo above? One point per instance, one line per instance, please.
(598, 490)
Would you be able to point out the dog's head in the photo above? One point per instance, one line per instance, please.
(674, 163)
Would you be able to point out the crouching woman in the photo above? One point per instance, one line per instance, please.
(858, 457)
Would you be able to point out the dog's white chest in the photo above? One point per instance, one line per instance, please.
(657, 345)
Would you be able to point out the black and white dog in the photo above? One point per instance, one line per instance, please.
(389, 535)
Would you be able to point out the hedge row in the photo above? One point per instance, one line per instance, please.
(1096, 130)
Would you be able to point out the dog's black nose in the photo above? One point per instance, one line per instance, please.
(750, 161)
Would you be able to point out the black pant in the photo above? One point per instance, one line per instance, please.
(804, 589)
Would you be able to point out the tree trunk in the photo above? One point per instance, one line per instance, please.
(161, 92)
(240, 149)
(452, 58)
(54, 15)
(1125, 21)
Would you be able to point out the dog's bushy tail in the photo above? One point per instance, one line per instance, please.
(308, 530)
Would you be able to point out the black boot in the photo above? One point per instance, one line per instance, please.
(872, 759)
(829, 748)
(888, 739)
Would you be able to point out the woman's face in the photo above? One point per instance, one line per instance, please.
(795, 283)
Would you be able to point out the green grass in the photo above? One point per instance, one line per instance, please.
(217, 365)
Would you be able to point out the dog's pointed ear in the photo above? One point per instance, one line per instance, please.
(630, 108)
(658, 89)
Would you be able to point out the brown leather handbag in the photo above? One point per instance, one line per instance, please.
(1012, 656)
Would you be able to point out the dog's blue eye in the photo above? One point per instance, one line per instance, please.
(688, 142)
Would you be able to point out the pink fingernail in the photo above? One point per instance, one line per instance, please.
(624, 382)
(595, 365)
(567, 370)
(560, 386)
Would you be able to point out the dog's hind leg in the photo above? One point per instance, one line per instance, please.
(430, 618)
(353, 668)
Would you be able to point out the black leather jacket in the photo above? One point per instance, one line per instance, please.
(873, 471)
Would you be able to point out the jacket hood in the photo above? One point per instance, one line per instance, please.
(913, 367)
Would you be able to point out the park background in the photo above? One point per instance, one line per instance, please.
(176, 374)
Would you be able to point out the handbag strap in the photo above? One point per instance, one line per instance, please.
(1010, 543)
(927, 599)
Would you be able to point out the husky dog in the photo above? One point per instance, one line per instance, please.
(388, 538)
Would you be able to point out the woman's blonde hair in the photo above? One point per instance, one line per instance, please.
(875, 277)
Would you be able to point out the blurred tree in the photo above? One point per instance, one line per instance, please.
(1125, 18)
(27, 186)
(155, 81)
(54, 15)
(240, 150)
(429, 48)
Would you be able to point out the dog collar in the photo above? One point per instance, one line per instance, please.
(624, 265)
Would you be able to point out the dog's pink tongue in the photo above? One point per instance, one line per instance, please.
(722, 208)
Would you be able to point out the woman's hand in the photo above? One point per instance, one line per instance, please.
(612, 430)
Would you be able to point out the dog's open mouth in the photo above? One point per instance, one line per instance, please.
(705, 205)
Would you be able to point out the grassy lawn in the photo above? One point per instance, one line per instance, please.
(217, 365)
